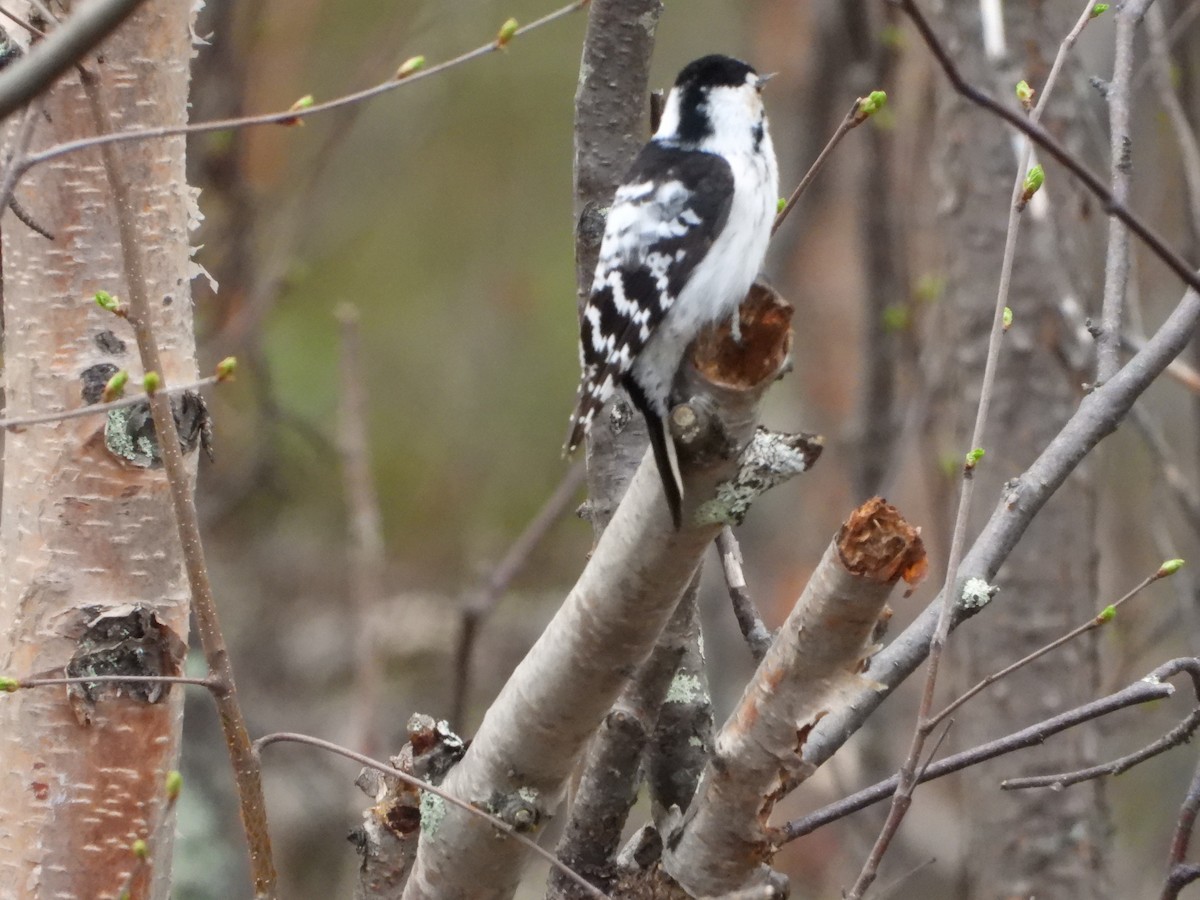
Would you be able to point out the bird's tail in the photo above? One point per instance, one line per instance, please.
(665, 457)
(667, 461)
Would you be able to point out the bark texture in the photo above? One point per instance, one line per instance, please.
(533, 734)
(90, 567)
(814, 665)
(1047, 844)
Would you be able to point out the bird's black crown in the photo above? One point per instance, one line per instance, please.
(714, 71)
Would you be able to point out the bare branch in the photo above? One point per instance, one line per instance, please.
(1098, 415)
(754, 630)
(1180, 734)
(608, 784)
(1104, 616)
(1152, 687)
(283, 116)
(15, 423)
(1043, 139)
(525, 748)
(1179, 873)
(810, 668)
(499, 824)
(50, 681)
(852, 120)
(908, 770)
(1116, 260)
(62, 49)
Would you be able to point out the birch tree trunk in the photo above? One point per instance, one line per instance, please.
(91, 577)
(1022, 843)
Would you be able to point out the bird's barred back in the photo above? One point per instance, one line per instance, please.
(664, 219)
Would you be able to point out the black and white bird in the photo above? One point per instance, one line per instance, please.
(684, 240)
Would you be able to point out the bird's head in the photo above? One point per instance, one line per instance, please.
(716, 104)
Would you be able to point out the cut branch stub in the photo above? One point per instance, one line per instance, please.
(765, 322)
(812, 668)
(876, 543)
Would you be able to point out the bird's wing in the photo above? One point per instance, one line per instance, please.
(663, 221)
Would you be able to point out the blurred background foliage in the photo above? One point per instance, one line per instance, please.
(443, 212)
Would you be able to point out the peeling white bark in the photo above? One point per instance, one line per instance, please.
(79, 528)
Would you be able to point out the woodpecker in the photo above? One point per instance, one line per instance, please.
(684, 240)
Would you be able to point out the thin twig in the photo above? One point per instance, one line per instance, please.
(908, 771)
(207, 683)
(1179, 877)
(1176, 263)
(62, 49)
(28, 26)
(1099, 619)
(1152, 687)
(247, 775)
(365, 527)
(1178, 871)
(852, 120)
(19, 145)
(290, 115)
(486, 597)
(1116, 259)
(1180, 734)
(14, 423)
(1159, 62)
(754, 630)
(499, 824)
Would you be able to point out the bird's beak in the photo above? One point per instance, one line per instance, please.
(763, 79)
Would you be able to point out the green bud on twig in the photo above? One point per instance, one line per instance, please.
(507, 32)
(304, 102)
(410, 65)
(1033, 183)
(151, 382)
(973, 458)
(1008, 318)
(1025, 93)
(870, 104)
(780, 204)
(114, 388)
(226, 368)
(1170, 567)
(9, 685)
(139, 848)
(174, 785)
(1107, 614)
(107, 301)
(1098, 10)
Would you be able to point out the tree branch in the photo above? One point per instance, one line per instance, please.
(812, 666)
(63, 48)
(1043, 139)
(1097, 416)
(1116, 259)
(526, 746)
(1152, 687)
(1179, 873)
(749, 620)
